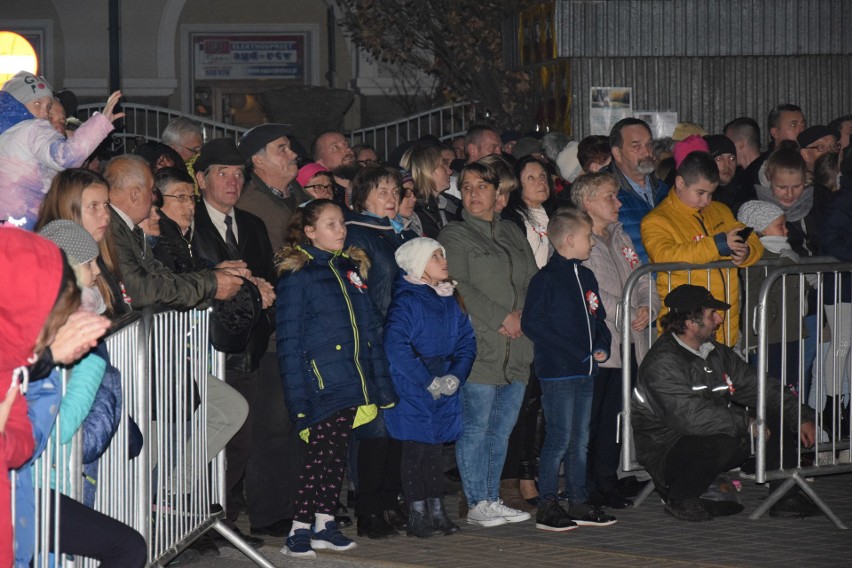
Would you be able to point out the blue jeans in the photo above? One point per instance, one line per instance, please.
(489, 413)
(567, 405)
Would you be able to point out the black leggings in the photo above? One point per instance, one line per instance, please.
(421, 471)
(86, 532)
(324, 466)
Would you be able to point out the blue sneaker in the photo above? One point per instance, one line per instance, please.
(330, 538)
(299, 545)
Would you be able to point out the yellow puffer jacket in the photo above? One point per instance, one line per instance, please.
(673, 232)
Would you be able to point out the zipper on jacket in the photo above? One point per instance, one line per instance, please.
(354, 327)
(318, 374)
(588, 323)
(721, 272)
(514, 290)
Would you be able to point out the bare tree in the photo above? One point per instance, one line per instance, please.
(459, 42)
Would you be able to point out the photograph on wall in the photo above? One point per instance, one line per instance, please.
(608, 106)
(662, 123)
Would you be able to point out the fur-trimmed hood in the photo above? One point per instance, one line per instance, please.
(292, 258)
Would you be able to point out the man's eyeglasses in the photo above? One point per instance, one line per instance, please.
(327, 186)
(196, 150)
(833, 147)
(183, 198)
(366, 163)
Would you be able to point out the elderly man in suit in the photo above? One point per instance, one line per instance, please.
(224, 232)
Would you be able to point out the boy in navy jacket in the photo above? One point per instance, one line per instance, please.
(564, 318)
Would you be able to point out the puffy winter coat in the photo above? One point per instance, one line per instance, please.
(426, 336)
(31, 154)
(634, 208)
(378, 239)
(674, 232)
(565, 320)
(680, 394)
(612, 260)
(329, 336)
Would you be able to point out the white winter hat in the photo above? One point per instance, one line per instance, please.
(414, 255)
(758, 214)
(567, 162)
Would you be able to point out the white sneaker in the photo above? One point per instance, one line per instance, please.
(484, 515)
(511, 515)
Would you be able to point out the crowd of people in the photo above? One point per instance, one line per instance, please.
(387, 307)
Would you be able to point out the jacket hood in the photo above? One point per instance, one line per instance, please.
(294, 258)
(12, 111)
(31, 266)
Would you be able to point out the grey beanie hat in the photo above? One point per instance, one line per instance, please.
(415, 254)
(758, 214)
(76, 241)
(25, 87)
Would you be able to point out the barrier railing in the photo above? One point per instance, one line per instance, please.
(444, 122)
(832, 371)
(172, 492)
(146, 123)
(820, 271)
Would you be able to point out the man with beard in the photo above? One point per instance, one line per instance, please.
(729, 191)
(633, 165)
(692, 412)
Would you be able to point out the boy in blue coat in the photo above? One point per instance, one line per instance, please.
(564, 318)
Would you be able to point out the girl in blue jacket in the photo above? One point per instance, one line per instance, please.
(430, 346)
(331, 360)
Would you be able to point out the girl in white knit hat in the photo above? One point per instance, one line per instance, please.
(430, 347)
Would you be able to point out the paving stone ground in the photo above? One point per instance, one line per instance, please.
(644, 536)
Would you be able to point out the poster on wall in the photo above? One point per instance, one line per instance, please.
(249, 56)
(608, 106)
(662, 123)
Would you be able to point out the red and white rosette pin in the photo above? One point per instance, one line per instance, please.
(355, 280)
(592, 301)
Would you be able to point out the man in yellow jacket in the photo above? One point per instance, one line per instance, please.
(688, 227)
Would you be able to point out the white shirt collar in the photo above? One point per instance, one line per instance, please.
(218, 219)
(703, 351)
(124, 217)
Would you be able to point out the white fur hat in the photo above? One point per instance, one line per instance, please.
(413, 255)
(567, 162)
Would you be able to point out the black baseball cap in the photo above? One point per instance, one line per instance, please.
(688, 298)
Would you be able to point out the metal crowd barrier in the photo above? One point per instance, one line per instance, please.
(172, 492)
(830, 454)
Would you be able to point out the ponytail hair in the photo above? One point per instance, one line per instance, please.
(305, 216)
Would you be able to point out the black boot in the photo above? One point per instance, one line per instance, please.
(418, 520)
(439, 518)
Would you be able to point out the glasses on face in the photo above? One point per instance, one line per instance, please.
(326, 186)
(195, 150)
(368, 162)
(182, 198)
(833, 147)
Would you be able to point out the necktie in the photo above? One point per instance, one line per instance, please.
(140, 238)
(230, 239)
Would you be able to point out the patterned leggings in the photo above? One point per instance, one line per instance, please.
(324, 466)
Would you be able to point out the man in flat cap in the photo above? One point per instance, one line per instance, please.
(268, 154)
(692, 411)
(817, 141)
(225, 232)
